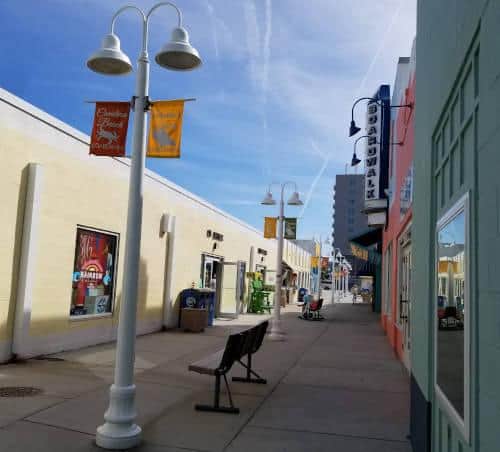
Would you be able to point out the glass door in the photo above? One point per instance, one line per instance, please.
(231, 288)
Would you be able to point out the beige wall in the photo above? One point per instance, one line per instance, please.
(78, 189)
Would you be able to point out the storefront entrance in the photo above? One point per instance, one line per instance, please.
(405, 300)
(228, 281)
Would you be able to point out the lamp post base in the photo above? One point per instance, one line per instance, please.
(119, 430)
(276, 333)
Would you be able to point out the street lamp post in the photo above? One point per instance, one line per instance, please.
(120, 430)
(276, 333)
(335, 254)
(326, 242)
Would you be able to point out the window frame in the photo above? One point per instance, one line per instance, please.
(463, 425)
(115, 272)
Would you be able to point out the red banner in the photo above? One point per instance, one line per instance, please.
(109, 133)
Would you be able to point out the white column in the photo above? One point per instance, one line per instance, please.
(169, 320)
(120, 430)
(29, 244)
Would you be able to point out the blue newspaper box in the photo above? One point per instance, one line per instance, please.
(206, 299)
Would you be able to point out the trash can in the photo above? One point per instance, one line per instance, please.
(207, 301)
(193, 300)
(191, 317)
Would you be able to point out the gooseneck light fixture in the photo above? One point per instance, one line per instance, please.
(355, 160)
(119, 430)
(276, 333)
(353, 128)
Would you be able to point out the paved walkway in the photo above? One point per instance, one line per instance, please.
(333, 385)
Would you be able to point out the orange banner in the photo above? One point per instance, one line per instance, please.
(109, 132)
(314, 261)
(165, 129)
(270, 228)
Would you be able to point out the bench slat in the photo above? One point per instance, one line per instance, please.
(207, 365)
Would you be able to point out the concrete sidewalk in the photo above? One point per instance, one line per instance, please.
(333, 385)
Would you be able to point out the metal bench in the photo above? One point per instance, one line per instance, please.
(218, 364)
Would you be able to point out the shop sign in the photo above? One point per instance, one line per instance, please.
(373, 146)
(358, 252)
(165, 129)
(290, 228)
(94, 267)
(109, 132)
(406, 193)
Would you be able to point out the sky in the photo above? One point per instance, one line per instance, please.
(274, 94)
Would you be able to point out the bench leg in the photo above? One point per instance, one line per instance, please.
(250, 372)
(216, 406)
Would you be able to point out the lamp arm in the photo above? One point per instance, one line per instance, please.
(179, 14)
(284, 185)
(144, 24)
(359, 100)
(356, 142)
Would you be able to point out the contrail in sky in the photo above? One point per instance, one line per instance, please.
(361, 86)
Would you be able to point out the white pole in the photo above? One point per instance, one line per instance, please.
(276, 333)
(319, 267)
(333, 277)
(119, 430)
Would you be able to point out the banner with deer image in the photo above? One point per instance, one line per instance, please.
(109, 133)
(165, 129)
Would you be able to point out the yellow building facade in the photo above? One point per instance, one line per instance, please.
(57, 203)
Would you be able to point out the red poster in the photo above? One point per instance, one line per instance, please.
(109, 133)
(93, 272)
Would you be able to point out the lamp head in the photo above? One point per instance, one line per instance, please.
(109, 59)
(178, 54)
(295, 199)
(353, 129)
(355, 161)
(268, 200)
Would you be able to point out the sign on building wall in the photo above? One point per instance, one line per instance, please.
(373, 147)
(406, 193)
(109, 132)
(93, 272)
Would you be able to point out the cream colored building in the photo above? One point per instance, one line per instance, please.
(50, 188)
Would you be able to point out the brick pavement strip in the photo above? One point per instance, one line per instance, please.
(332, 385)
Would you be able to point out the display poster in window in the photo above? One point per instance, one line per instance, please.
(93, 281)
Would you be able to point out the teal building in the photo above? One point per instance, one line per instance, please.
(455, 356)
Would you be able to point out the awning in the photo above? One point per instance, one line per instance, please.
(359, 246)
(368, 238)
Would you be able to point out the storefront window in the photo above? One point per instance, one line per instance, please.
(451, 310)
(94, 272)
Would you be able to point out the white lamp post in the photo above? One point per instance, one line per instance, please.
(336, 261)
(119, 430)
(276, 332)
(326, 242)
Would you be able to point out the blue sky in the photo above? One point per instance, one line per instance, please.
(273, 95)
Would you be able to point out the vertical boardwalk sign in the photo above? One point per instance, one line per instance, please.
(165, 130)
(109, 133)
